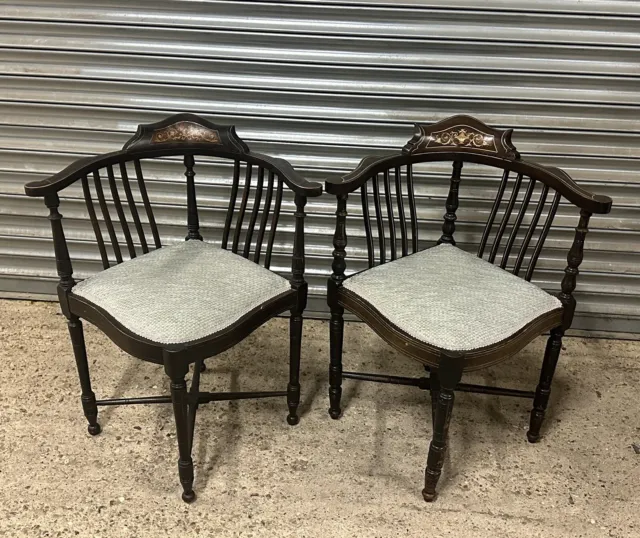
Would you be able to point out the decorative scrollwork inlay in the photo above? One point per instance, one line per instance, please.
(463, 137)
(185, 131)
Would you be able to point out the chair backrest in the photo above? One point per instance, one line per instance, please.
(120, 208)
(521, 212)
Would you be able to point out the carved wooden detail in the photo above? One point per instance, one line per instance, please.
(185, 131)
(463, 133)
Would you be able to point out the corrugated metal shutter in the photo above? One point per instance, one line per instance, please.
(322, 84)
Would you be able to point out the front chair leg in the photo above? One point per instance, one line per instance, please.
(336, 331)
(180, 400)
(448, 374)
(88, 398)
(543, 390)
(293, 388)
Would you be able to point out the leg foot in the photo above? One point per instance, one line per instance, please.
(94, 429)
(180, 401)
(88, 398)
(449, 374)
(189, 497)
(336, 332)
(543, 390)
(293, 388)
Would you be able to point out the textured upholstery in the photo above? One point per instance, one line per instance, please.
(182, 292)
(451, 299)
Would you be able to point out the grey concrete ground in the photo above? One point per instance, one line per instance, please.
(360, 476)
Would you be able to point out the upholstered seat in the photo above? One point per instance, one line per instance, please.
(183, 292)
(451, 299)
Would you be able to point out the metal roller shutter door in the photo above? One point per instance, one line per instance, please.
(322, 84)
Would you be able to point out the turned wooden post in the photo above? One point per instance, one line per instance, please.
(193, 223)
(336, 325)
(554, 344)
(295, 322)
(449, 225)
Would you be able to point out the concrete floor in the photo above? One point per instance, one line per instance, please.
(357, 477)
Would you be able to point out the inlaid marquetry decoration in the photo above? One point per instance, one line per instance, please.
(186, 131)
(463, 137)
(182, 130)
(461, 132)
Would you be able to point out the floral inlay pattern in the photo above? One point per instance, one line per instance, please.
(463, 137)
(185, 131)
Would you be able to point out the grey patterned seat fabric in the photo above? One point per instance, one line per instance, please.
(182, 292)
(451, 299)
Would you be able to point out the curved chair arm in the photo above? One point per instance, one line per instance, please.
(554, 177)
(180, 134)
(293, 179)
(71, 173)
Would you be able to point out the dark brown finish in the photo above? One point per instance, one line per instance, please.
(449, 226)
(459, 140)
(449, 375)
(193, 223)
(336, 324)
(184, 135)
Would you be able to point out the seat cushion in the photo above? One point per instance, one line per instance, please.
(451, 299)
(182, 292)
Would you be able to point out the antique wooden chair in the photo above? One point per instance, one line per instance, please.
(451, 310)
(182, 303)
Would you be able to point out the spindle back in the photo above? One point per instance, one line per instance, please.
(121, 210)
(514, 228)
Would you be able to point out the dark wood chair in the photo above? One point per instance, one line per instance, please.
(452, 310)
(181, 303)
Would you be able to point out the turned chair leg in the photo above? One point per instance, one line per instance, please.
(336, 331)
(80, 352)
(448, 374)
(293, 388)
(180, 400)
(543, 390)
(435, 392)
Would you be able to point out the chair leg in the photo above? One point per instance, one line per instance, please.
(293, 388)
(180, 400)
(543, 390)
(88, 398)
(336, 330)
(435, 392)
(449, 374)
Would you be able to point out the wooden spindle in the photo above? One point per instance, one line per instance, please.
(243, 208)
(133, 208)
(379, 221)
(265, 217)
(574, 259)
(254, 212)
(107, 218)
(449, 225)
(274, 223)
(412, 209)
(403, 220)
(120, 212)
(516, 225)
(193, 223)
(63, 261)
(367, 222)
(505, 218)
(94, 223)
(531, 229)
(232, 203)
(390, 216)
(147, 205)
(494, 211)
(543, 236)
